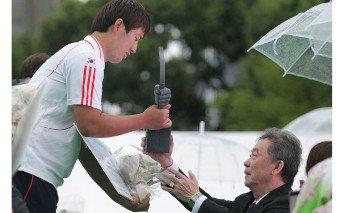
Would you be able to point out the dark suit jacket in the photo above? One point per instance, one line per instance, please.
(277, 201)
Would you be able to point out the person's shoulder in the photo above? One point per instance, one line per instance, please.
(277, 200)
(321, 167)
(281, 190)
(78, 46)
(247, 196)
(81, 52)
(71, 50)
(279, 204)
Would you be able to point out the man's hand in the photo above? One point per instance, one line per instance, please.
(136, 206)
(179, 185)
(162, 96)
(156, 118)
(163, 158)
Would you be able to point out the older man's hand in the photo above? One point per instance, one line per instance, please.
(178, 184)
(164, 159)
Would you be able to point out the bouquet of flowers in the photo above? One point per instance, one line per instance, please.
(138, 171)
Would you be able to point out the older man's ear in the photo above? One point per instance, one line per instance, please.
(278, 168)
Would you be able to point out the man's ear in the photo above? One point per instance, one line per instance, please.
(118, 24)
(278, 167)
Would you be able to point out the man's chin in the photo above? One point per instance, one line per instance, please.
(116, 61)
(246, 181)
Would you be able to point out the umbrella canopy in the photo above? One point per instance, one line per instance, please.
(211, 158)
(302, 45)
(311, 128)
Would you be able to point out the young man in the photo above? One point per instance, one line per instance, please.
(270, 172)
(72, 94)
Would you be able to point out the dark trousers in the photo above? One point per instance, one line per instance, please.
(18, 204)
(39, 195)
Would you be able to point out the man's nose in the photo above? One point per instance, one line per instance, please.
(246, 163)
(134, 49)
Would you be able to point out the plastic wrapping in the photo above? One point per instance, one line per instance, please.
(26, 99)
(138, 171)
(22, 96)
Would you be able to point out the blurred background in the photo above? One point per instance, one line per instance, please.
(212, 78)
(208, 69)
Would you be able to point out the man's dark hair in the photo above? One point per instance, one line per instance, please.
(131, 12)
(286, 147)
(32, 63)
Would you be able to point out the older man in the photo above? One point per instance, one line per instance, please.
(270, 172)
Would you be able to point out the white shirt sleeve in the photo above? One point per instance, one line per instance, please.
(174, 166)
(198, 203)
(84, 79)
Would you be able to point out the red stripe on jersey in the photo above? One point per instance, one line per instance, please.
(88, 86)
(57, 128)
(93, 85)
(99, 46)
(90, 44)
(83, 86)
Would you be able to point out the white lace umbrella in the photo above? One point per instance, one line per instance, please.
(302, 45)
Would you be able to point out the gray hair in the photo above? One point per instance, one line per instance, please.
(286, 147)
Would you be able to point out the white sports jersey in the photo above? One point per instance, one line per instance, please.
(74, 76)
